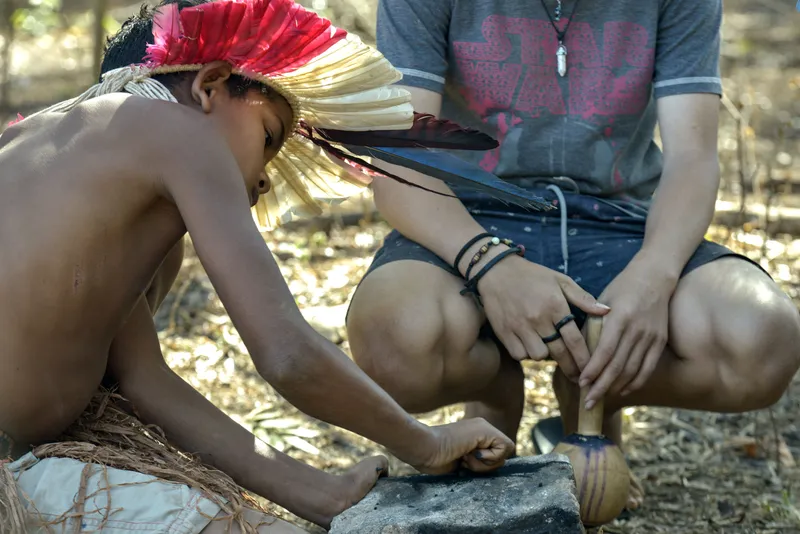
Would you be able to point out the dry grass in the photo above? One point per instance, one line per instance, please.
(702, 472)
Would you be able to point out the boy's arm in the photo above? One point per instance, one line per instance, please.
(202, 178)
(195, 425)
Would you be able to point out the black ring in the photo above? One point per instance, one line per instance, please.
(563, 322)
(551, 338)
(559, 325)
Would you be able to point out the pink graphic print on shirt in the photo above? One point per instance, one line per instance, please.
(607, 76)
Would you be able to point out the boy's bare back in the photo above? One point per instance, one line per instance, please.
(94, 201)
(85, 222)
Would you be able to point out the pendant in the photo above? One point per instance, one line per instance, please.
(561, 57)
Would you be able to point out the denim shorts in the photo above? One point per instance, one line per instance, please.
(591, 241)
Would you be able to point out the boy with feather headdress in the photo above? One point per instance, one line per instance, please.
(191, 126)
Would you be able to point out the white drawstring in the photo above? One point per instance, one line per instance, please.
(564, 236)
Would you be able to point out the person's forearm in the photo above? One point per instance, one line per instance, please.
(681, 212)
(442, 225)
(196, 426)
(317, 378)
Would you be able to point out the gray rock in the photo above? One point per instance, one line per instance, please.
(532, 495)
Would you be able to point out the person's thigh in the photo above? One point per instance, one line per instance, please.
(601, 237)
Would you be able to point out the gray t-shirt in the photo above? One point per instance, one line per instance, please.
(495, 63)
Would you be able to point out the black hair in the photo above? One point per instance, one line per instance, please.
(129, 46)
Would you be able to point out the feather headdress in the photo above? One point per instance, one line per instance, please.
(338, 88)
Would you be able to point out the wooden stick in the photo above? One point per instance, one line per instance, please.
(590, 422)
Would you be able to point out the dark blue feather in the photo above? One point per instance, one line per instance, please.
(455, 171)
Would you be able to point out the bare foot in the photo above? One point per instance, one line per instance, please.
(568, 395)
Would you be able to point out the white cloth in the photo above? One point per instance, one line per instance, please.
(48, 488)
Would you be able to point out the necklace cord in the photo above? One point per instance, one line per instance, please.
(560, 34)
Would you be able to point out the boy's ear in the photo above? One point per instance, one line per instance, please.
(209, 82)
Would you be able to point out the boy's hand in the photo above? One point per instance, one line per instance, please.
(523, 303)
(347, 489)
(471, 443)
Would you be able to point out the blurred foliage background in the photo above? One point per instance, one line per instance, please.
(702, 472)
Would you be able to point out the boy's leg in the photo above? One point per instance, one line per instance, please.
(419, 339)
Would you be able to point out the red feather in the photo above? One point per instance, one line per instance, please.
(264, 37)
(427, 131)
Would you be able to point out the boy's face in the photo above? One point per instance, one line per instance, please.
(255, 126)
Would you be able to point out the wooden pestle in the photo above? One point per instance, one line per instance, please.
(601, 474)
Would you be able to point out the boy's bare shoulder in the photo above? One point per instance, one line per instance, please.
(148, 122)
(173, 140)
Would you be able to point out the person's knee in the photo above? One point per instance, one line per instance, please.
(752, 349)
(401, 330)
(395, 336)
(760, 360)
(740, 333)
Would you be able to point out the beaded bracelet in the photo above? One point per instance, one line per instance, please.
(485, 248)
(466, 247)
(472, 285)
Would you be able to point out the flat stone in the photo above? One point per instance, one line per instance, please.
(531, 495)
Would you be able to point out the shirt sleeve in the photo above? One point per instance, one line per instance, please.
(688, 48)
(413, 36)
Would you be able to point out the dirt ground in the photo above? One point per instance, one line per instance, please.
(702, 472)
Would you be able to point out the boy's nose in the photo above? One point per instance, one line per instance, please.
(263, 183)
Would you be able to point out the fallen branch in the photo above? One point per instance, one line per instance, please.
(782, 220)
